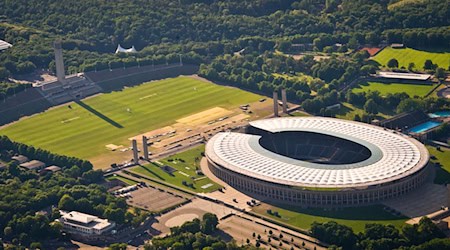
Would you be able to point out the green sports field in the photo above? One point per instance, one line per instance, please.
(84, 129)
(385, 88)
(408, 55)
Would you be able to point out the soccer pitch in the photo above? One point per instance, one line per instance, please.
(84, 129)
(408, 55)
(385, 88)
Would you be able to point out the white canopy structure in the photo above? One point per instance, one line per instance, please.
(123, 50)
(4, 45)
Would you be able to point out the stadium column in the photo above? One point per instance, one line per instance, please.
(275, 104)
(284, 100)
(145, 147)
(135, 152)
(59, 61)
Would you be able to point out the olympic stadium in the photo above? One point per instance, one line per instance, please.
(318, 162)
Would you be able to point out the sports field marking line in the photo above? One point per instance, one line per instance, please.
(69, 120)
(147, 96)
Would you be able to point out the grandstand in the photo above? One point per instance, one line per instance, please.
(405, 121)
(116, 79)
(74, 87)
(24, 103)
(313, 147)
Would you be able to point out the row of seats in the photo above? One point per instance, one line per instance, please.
(407, 120)
(315, 147)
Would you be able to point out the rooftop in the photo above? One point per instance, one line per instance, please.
(32, 165)
(393, 156)
(404, 76)
(85, 220)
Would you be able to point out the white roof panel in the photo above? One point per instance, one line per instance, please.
(394, 156)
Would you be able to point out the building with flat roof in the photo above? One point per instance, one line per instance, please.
(403, 76)
(85, 224)
(33, 165)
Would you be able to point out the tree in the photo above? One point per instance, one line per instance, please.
(209, 223)
(411, 66)
(392, 63)
(428, 64)
(36, 245)
(440, 73)
(371, 107)
(66, 202)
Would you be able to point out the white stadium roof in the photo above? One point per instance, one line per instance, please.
(393, 156)
(4, 45)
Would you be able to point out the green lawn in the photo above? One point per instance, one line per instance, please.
(442, 157)
(348, 112)
(385, 88)
(408, 55)
(85, 129)
(186, 171)
(353, 217)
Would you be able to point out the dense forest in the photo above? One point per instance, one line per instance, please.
(203, 29)
(29, 201)
(423, 235)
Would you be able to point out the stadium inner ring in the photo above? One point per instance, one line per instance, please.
(318, 162)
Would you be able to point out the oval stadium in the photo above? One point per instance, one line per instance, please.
(318, 162)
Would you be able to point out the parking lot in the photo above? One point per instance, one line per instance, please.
(152, 199)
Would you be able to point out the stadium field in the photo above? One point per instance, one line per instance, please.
(84, 128)
(354, 217)
(407, 55)
(385, 88)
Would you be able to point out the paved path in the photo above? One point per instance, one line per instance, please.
(425, 200)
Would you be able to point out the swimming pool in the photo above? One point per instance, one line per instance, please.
(440, 114)
(424, 126)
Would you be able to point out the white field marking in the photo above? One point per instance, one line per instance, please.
(147, 96)
(69, 120)
(183, 173)
(207, 186)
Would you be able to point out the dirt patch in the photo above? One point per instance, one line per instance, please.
(205, 116)
(180, 219)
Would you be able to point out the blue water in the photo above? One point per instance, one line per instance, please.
(440, 114)
(424, 126)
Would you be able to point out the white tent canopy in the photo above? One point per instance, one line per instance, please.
(123, 50)
(4, 45)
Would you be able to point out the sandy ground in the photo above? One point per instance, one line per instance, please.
(228, 193)
(179, 219)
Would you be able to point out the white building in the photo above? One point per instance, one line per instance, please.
(120, 49)
(85, 224)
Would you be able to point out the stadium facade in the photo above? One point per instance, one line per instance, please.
(318, 162)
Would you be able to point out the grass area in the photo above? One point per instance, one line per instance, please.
(385, 88)
(355, 218)
(186, 163)
(443, 158)
(84, 129)
(407, 55)
(348, 112)
(127, 181)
